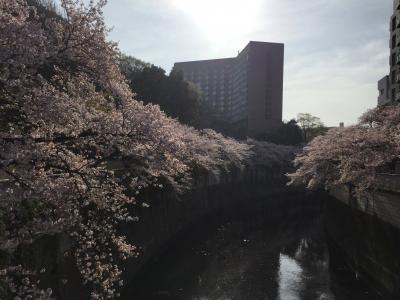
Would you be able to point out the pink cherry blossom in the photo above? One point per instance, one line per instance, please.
(353, 155)
(77, 150)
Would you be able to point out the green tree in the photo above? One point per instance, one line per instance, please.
(311, 126)
(175, 96)
(288, 133)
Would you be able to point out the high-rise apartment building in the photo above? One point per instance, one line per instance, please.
(245, 90)
(389, 86)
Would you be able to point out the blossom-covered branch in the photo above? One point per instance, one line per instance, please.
(353, 155)
(76, 148)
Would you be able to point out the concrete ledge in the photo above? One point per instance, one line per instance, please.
(385, 205)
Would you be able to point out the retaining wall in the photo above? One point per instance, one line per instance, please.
(364, 234)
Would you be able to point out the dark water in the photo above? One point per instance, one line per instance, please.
(248, 258)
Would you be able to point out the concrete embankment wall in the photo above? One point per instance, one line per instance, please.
(384, 204)
(364, 234)
(167, 216)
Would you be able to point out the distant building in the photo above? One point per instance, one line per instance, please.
(245, 90)
(384, 88)
(389, 86)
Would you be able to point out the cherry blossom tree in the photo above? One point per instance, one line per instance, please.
(353, 155)
(76, 148)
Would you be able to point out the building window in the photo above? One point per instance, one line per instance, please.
(393, 94)
(393, 60)
(393, 41)
(394, 23)
(393, 75)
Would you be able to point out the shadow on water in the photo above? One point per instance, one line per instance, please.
(247, 255)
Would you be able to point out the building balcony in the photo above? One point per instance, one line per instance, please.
(398, 59)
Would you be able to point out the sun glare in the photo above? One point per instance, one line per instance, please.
(227, 19)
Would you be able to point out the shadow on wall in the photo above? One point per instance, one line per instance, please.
(366, 245)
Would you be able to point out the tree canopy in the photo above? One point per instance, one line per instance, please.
(310, 125)
(289, 133)
(352, 155)
(77, 148)
(176, 97)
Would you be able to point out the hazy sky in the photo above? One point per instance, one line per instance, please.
(335, 50)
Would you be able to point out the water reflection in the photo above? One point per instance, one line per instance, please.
(290, 278)
(243, 259)
(305, 275)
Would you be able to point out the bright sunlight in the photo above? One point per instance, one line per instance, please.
(227, 19)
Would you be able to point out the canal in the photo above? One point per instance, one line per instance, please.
(248, 253)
